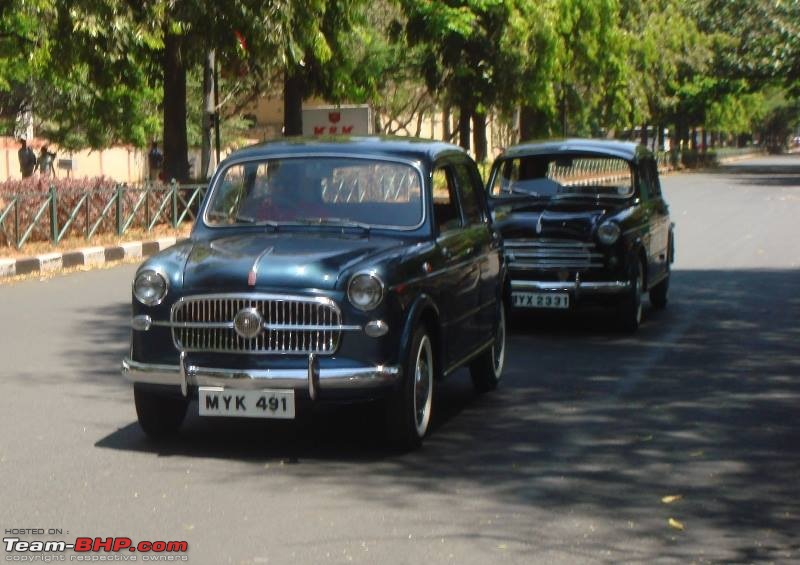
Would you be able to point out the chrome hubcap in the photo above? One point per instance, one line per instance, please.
(423, 385)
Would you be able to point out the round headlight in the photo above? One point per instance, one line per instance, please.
(150, 288)
(365, 291)
(608, 233)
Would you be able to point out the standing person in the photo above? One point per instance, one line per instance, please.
(156, 161)
(45, 163)
(27, 159)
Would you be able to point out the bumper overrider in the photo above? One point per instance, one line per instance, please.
(355, 381)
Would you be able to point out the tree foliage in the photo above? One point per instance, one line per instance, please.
(97, 72)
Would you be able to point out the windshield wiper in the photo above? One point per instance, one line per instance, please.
(249, 220)
(343, 222)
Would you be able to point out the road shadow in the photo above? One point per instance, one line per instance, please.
(701, 404)
(771, 171)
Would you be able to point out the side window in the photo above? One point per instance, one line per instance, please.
(468, 194)
(445, 206)
(655, 183)
(645, 181)
(505, 177)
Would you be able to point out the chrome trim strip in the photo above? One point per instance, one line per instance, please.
(590, 287)
(354, 378)
(470, 313)
(215, 182)
(251, 280)
(443, 270)
(458, 364)
(543, 253)
(265, 325)
(257, 296)
(548, 243)
(551, 266)
(320, 327)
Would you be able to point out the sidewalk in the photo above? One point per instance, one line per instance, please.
(87, 256)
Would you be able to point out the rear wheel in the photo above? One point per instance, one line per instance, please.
(487, 369)
(630, 309)
(159, 416)
(409, 411)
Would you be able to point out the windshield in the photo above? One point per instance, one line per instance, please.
(563, 176)
(317, 190)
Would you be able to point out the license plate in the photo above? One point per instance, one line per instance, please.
(215, 401)
(540, 299)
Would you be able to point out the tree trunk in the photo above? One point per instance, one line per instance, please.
(464, 117)
(208, 114)
(705, 140)
(643, 136)
(176, 146)
(293, 94)
(447, 133)
(532, 124)
(479, 136)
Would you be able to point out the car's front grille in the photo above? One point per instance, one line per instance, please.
(552, 254)
(291, 324)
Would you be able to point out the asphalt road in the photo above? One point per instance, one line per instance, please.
(566, 463)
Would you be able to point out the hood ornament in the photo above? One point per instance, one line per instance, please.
(539, 224)
(253, 274)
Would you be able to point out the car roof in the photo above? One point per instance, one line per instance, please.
(406, 148)
(623, 149)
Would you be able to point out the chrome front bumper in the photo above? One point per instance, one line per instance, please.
(314, 379)
(575, 287)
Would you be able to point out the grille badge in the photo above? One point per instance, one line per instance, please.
(248, 323)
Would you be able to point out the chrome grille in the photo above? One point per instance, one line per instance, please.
(555, 254)
(292, 324)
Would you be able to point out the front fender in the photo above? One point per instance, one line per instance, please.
(422, 307)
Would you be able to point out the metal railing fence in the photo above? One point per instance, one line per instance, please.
(55, 214)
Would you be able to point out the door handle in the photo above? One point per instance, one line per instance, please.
(446, 252)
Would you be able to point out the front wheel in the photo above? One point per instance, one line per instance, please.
(409, 411)
(630, 309)
(159, 416)
(487, 369)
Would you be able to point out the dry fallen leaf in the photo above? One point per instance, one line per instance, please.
(671, 498)
(675, 524)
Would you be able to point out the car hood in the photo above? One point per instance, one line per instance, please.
(562, 220)
(282, 260)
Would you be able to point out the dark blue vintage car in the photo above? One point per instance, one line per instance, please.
(584, 222)
(323, 271)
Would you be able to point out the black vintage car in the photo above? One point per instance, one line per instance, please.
(323, 271)
(583, 222)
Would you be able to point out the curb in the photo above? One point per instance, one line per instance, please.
(87, 256)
